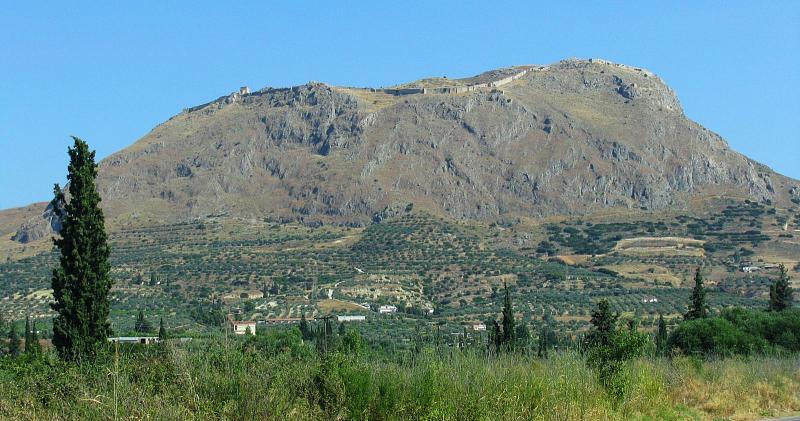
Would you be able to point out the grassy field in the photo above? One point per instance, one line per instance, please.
(217, 379)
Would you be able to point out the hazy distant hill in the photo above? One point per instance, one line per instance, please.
(570, 138)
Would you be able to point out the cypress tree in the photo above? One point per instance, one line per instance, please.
(543, 345)
(304, 330)
(497, 336)
(28, 337)
(661, 335)
(605, 324)
(81, 283)
(509, 333)
(522, 337)
(139, 321)
(162, 331)
(14, 345)
(36, 347)
(780, 292)
(698, 308)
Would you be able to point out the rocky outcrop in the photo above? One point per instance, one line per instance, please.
(40, 227)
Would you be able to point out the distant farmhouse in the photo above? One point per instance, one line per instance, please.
(135, 340)
(387, 309)
(282, 321)
(351, 318)
(242, 327)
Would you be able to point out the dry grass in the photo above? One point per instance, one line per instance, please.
(332, 305)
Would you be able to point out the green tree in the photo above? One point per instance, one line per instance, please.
(780, 292)
(14, 345)
(610, 348)
(509, 332)
(81, 283)
(305, 332)
(36, 347)
(523, 337)
(698, 308)
(661, 336)
(162, 331)
(543, 342)
(28, 336)
(142, 324)
(605, 324)
(497, 336)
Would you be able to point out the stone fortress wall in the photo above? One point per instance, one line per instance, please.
(454, 89)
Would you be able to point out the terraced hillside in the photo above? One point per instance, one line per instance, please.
(433, 269)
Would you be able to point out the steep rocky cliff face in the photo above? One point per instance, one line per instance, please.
(570, 138)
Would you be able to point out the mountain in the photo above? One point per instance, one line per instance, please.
(575, 137)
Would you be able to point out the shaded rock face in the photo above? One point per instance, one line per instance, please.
(37, 228)
(570, 138)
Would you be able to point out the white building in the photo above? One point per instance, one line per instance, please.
(140, 340)
(351, 318)
(387, 309)
(243, 327)
(750, 269)
(649, 300)
(480, 327)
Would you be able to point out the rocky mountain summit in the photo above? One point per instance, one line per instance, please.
(574, 137)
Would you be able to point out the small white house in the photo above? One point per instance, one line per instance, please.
(479, 327)
(351, 318)
(750, 269)
(243, 327)
(387, 309)
(135, 340)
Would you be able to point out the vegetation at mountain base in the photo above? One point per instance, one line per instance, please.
(277, 375)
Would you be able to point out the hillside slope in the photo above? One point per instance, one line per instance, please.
(570, 138)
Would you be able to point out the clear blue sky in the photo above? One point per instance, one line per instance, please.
(109, 73)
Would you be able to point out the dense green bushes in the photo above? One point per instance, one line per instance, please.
(739, 331)
(218, 379)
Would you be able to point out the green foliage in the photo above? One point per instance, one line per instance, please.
(162, 331)
(14, 342)
(609, 349)
(544, 344)
(509, 332)
(698, 308)
(739, 332)
(208, 315)
(661, 336)
(780, 293)
(273, 342)
(81, 283)
(142, 324)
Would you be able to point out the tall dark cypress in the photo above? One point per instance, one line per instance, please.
(81, 283)
(780, 292)
(162, 331)
(605, 324)
(36, 347)
(698, 308)
(661, 335)
(28, 336)
(304, 330)
(543, 345)
(509, 333)
(14, 346)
